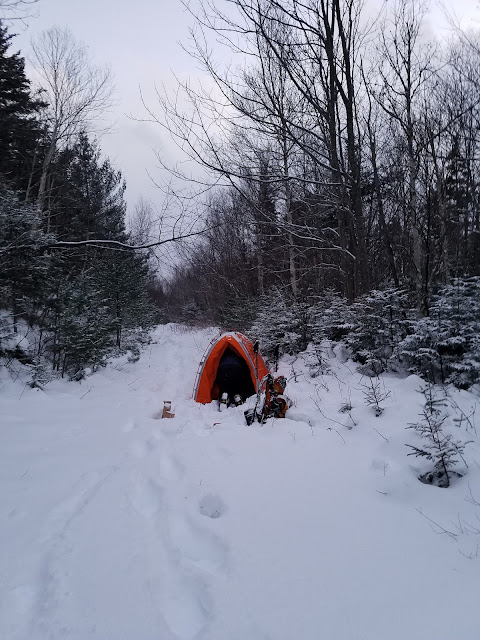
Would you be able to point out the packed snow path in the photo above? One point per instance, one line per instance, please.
(118, 525)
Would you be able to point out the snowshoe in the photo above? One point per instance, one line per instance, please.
(249, 416)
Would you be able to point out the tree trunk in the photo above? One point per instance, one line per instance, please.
(47, 161)
(381, 211)
(289, 217)
(259, 256)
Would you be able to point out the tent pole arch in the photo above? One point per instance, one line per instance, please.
(204, 359)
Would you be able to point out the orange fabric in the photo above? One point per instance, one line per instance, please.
(206, 390)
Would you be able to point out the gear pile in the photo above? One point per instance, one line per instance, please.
(271, 402)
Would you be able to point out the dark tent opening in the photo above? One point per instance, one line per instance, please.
(233, 376)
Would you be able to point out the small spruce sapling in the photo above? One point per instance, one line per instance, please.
(374, 395)
(463, 418)
(346, 408)
(315, 360)
(41, 374)
(438, 447)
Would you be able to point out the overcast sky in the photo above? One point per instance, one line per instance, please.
(139, 40)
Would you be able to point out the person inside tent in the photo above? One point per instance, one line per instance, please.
(233, 379)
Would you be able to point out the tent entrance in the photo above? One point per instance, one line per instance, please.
(233, 376)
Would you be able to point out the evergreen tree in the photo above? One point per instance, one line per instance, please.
(121, 277)
(445, 347)
(80, 329)
(460, 201)
(81, 299)
(87, 198)
(20, 130)
(281, 325)
(97, 292)
(382, 320)
(436, 446)
(23, 262)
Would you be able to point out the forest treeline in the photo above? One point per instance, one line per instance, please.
(351, 146)
(348, 147)
(62, 302)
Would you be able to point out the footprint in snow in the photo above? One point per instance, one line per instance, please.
(51, 589)
(141, 448)
(20, 603)
(197, 546)
(185, 606)
(129, 426)
(145, 496)
(212, 506)
(170, 468)
(63, 514)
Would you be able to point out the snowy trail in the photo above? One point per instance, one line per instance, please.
(117, 525)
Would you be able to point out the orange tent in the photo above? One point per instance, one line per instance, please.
(206, 389)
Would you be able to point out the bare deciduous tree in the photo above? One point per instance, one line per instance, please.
(407, 67)
(15, 9)
(78, 92)
(141, 222)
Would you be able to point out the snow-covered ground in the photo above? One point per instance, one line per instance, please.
(118, 525)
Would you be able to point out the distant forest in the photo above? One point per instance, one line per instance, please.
(351, 146)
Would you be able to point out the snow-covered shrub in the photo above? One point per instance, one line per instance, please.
(192, 314)
(371, 328)
(41, 373)
(134, 353)
(315, 359)
(15, 343)
(445, 347)
(418, 351)
(331, 318)
(238, 314)
(78, 329)
(383, 319)
(330, 321)
(438, 447)
(281, 324)
(23, 262)
(382, 331)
